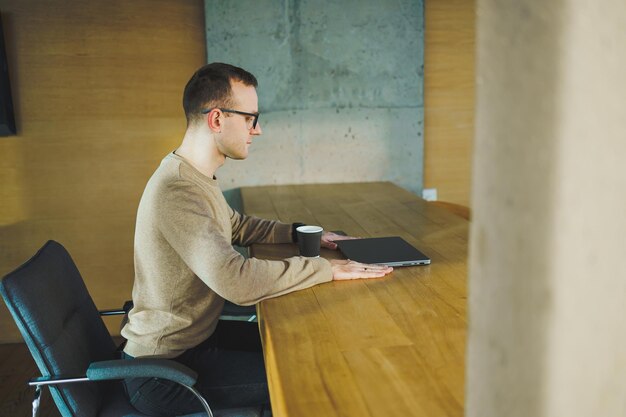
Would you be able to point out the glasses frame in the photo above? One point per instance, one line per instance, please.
(243, 113)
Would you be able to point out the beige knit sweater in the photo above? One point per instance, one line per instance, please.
(185, 264)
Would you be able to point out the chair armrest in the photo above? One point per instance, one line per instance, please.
(128, 305)
(56, 380)
(113, 312)
(128, 368)
(142, 368)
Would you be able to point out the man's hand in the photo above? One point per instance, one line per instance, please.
(347, 269)
(329, 238)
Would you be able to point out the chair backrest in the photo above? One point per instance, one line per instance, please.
(60, 324)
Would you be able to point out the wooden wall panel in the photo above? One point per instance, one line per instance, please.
(97, 88)
(449, 97)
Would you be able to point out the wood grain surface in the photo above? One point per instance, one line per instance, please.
(97, 87)
(393, 346)
(449, 60)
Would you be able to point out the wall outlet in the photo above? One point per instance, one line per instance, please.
(429, 194)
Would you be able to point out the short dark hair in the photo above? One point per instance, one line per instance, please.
(209, 87)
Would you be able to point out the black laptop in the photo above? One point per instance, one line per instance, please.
(391, 251)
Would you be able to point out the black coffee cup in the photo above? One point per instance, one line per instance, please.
(309, 240)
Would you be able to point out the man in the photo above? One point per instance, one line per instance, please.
(185, 264)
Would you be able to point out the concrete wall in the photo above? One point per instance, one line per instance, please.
(547, 273)
(340, 88)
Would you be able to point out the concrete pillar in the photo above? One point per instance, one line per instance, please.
(547, 283)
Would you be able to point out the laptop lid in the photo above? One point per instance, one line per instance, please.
(391, 251)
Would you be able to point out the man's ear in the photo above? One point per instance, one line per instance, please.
(214, 120)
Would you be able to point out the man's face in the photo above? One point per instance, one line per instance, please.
(237, 131)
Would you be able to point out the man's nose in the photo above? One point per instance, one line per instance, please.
(257, 130)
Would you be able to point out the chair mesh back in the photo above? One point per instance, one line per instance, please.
(60, 324)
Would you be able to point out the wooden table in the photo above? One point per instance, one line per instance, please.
(392, 346)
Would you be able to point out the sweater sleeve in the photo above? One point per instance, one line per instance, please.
(249, 229)
(196, 231)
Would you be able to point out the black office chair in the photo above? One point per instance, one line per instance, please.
(233, 311)
(230, 311)
(71, 345)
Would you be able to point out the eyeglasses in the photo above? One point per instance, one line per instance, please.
(255, 116)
